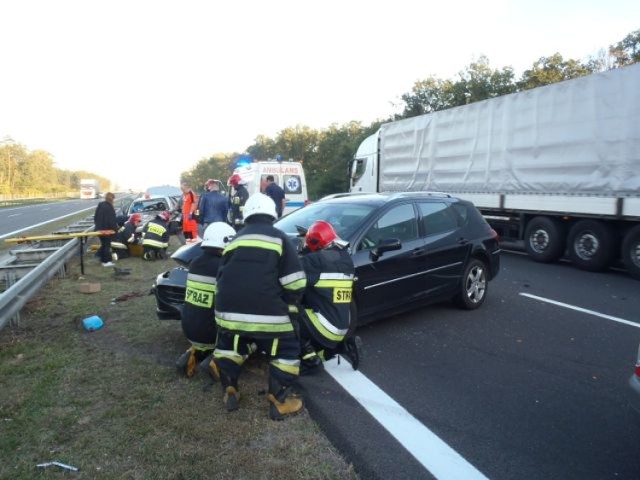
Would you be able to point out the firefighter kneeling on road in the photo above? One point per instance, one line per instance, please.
(126, 236)
(155, 237)
(259, 277)
(325, 318)
(198, 320)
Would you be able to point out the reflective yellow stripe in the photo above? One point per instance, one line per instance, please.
(255, 327)
(321, 329)
(154, 243)
(233, 356)
(236, 340)
(203, 347)
(274, 347)
(297, 285)
(292, 369)
(253, 244)
(334, 283)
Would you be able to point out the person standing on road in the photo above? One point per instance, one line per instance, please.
(189, 207)
(259, 277)
(276, 193)
(325, 316)
(213, 206)
(105, 219)
(198, 318)
(238, 200)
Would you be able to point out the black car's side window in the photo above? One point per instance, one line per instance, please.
(400, 222)
(437, 218)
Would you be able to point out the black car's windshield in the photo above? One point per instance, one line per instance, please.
(344, 217)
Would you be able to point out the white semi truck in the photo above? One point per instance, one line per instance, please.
(556, 166)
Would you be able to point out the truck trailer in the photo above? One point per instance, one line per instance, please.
(557, 166)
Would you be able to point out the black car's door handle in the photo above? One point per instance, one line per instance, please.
(463, 241)
(418, 252)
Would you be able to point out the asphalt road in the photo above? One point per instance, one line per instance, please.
(14, 220)
(520, 389)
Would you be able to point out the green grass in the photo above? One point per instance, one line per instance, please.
(111, 403)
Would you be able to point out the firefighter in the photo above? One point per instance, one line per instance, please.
(198, 320)
(126, 236)
(155, 237)
(238, 200)
(259, 277)
(325, 318)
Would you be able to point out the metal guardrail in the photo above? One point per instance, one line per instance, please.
(18, 293)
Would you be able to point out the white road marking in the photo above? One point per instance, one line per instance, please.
(433, 453)
(15, 214)
(44, 223)
(583, 310)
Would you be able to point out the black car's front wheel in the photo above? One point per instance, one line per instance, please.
(473, 286)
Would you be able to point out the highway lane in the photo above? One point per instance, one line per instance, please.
(521, 389)
(13, 220)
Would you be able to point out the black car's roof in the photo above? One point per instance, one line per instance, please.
(379, 199)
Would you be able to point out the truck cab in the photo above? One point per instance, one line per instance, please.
(288, 175)
(364, 168)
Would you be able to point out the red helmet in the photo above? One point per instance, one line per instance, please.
(165, 216)
(319, 235)
(234, 180)
(135, 218)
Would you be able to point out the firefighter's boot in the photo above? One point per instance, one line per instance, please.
(231, 397)
(186, 363)
(208, 367)
(282, 401)
(351, 349)
(310, 361)
(148, 255)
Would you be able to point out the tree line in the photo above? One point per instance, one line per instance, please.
(29, 173)
(327, 153)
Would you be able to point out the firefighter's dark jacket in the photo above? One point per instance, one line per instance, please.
(259, 277)
(155, 234)
(238, 200)
(328, 295)
(198, 321)
(105, 217)
(127, 233)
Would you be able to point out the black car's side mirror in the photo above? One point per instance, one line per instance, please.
(385, 245)
(302, 232)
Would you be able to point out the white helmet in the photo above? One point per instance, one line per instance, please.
(259, 204)
(218, 235)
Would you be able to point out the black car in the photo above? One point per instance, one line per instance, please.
(409, 250)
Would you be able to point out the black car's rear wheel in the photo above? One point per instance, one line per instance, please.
(473, 286)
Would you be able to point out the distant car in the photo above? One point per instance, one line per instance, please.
(409, 250)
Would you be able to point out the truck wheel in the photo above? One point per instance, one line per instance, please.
(473, 286)
(631, 251)
(591, 245)
(545, 239)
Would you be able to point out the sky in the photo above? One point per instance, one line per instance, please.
(140, 90)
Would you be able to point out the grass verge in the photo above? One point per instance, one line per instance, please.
(110, 402)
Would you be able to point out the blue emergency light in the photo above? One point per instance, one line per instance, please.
(244, 160)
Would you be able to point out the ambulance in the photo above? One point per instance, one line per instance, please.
(288, 175)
